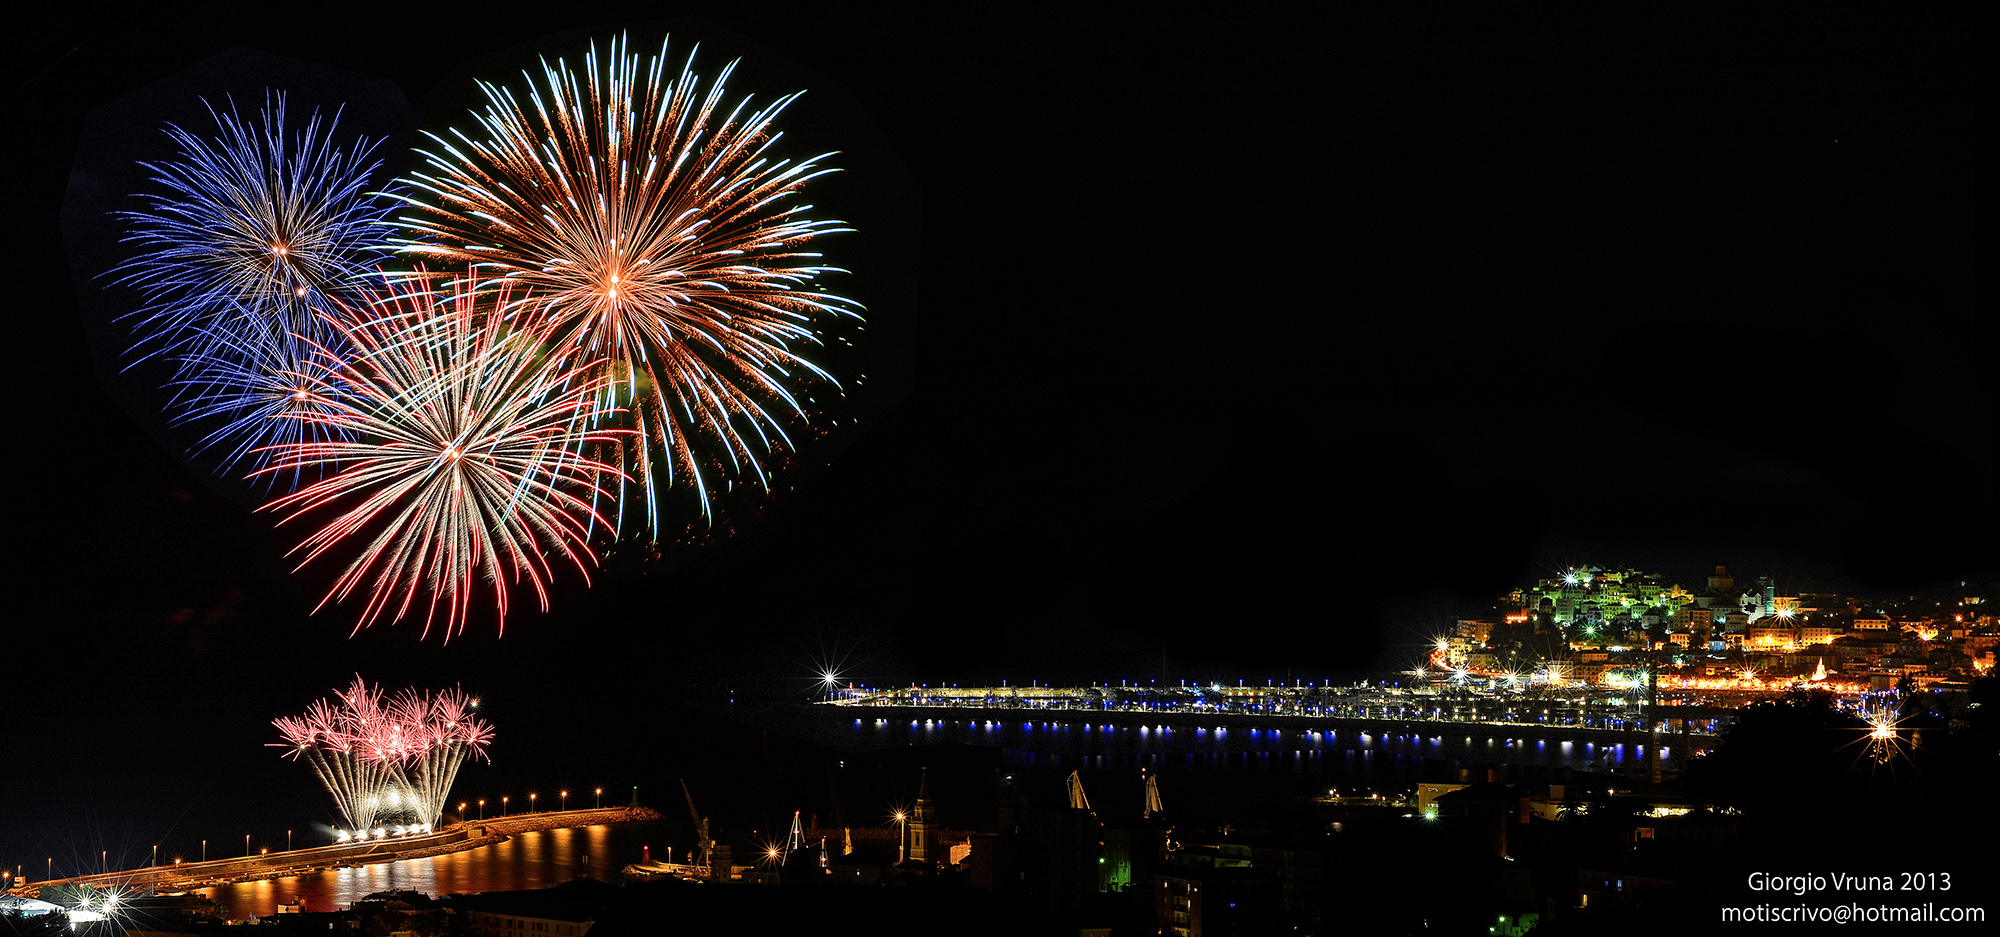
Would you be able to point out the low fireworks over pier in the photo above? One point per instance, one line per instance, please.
(387, 762)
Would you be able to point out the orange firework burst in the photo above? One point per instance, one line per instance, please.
(657, 230)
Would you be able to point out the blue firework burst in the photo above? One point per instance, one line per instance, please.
(249, 234)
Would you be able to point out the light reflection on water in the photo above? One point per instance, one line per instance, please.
(526, 860)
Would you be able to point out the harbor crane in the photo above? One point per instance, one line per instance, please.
(1077, 800)
(704, 843)
(796, 839)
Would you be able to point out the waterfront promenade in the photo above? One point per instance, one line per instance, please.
(458, 837)
(1391, 725)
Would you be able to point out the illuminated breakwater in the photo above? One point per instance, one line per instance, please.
(188, 876)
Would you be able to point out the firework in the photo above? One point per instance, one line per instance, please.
(462, 459)
(254, 225)
(441, 733)
(332, 738)
(660, 233)
(253, 228)
(264, 386)
(381, 758)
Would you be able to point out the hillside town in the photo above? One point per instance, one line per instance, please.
(1611, 627)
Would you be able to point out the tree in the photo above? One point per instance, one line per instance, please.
(1784, 757)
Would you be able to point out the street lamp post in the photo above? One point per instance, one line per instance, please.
(503, 805)
(901, 840)
(482, 809)
(565, 800)
(246, 845)
(288, 840)
(156, 853)
(531, 802)
(204, 850)
(600, 798)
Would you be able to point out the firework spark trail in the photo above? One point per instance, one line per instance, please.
(463, 457)
(254, 228)
(329, 738)
(249, 377)
(660, 234)
(443, 733)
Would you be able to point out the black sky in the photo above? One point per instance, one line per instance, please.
(1258, 342)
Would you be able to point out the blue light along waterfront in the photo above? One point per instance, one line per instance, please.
(1084, 743)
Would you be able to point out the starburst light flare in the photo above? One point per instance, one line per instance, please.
(660, 232)
(463, 466)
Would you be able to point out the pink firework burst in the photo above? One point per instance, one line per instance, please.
(386, 757)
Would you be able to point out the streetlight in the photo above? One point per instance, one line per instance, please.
(503, 805)
(531, 802)
(288, 840)
(600, 798)
(899, 838)
(461, 811)
(482, 809)
(156, 853)
(565, 800)
(104, 860)
(246, 844)
(204, 850)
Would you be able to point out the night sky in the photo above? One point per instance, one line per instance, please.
(1247, 344)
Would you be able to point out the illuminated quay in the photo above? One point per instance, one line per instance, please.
(457, 837)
